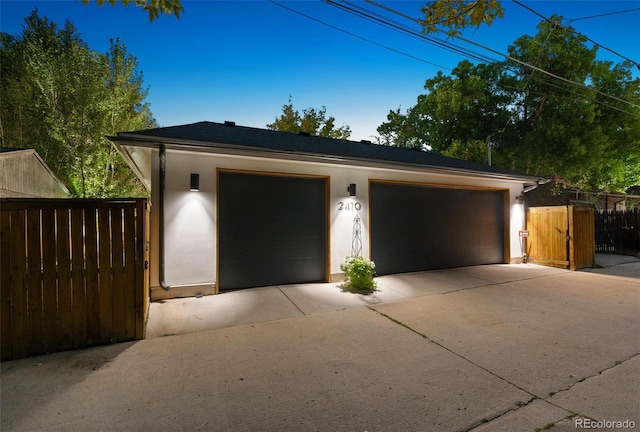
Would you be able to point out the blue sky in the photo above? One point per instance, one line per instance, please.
(240, 60)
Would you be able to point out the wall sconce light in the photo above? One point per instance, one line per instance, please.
(352, 190)
(195, 182)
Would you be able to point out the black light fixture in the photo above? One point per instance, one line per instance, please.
(195, 182)
(352, 190)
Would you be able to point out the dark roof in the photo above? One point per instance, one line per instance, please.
(210, 134)
(11, 149)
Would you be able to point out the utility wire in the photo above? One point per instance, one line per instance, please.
(358, 36)
(508, 57)
(385, 21)
(575, 32)
(604, 15)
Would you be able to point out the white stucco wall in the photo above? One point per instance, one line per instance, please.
(190, 225)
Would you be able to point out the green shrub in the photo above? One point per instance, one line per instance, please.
(359, 273)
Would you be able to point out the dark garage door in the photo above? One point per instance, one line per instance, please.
(271, 230)
(416, 227)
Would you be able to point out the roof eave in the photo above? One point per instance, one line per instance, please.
(126, 139)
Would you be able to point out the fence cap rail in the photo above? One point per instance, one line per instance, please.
(53, 203)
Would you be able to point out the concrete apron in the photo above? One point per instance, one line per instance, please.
(187, 315)
(506, 348)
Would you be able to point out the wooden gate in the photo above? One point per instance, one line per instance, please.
(73, 273)
(561, 236)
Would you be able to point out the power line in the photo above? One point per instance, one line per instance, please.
(393, 25)
(358, 36)
(385, 21)
(508, 57)
(556, 23)
(603, 15)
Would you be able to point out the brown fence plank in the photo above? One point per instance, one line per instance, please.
(130, 267)
(49, 281)
(572, 243)
(117, 264)
(34, 282)
(92, 276)
(18, 276)
(104, 259)
(65, 311)
(5, 285)
(79, 333)
(584, 237)
(142, 269)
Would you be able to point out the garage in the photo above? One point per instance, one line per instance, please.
(272, 229)
(417, 227)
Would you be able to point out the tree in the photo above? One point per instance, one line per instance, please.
(584, 127)
(153, 7)
(313, 121)
(64, 99)
(456, 117)
(452, 16)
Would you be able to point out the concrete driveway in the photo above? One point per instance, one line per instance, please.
(489, 348)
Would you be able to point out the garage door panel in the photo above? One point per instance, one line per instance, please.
(271, 230)
(416, 228)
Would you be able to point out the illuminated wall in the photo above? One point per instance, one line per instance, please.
(190, 225)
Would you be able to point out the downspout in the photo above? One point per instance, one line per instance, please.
(162, 181)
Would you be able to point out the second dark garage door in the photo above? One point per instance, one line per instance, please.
(415, 227)
(272, 229)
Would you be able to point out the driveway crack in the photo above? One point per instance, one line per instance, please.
(616, 364)
(400, 323)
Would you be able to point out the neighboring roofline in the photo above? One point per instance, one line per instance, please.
(13, 151)
(603, 193)
(154, 142)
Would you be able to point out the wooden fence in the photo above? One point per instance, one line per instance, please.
(618, 232)
(73, 273)
(561, 236)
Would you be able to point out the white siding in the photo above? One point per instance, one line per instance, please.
(190, 226)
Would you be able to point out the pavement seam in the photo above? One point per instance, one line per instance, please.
(485, 420)
(291, 301)
(568, 388)
(519, 405)
(489, 284)
(400, 323)
(494, 282)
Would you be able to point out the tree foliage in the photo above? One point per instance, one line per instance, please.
(62, 98)
(587, 133)
(311, 120)
(453, 16)
(153, 7)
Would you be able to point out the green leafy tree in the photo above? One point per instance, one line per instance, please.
(457, 116)
(453, 16)
(586, 131)
(153, 7)
(311, 120)
(65, 98)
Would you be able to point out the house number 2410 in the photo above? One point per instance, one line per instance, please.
(349, 206)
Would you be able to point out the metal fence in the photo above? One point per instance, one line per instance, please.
(618, 232)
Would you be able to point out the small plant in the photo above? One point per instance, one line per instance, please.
(359, 273)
